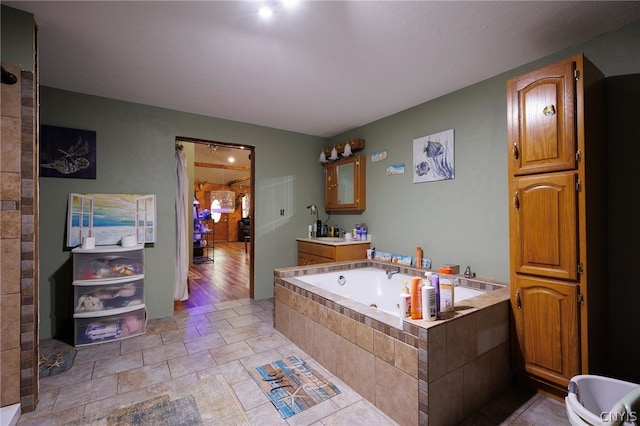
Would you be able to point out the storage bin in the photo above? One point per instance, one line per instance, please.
(91, 297)
(123, 324)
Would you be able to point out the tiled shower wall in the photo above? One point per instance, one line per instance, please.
(18, 243)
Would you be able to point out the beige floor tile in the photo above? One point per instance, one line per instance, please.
(244, 320)
(313, 414)
(214, 327)
(190, 363)
(204, 343)
(139, 343)
(357, 414)
(117, 401)
(107, 367)
(233, 372)
(233, 335)
(77, 374)
(191, 321)
(180, 335)
(265, 414)
(162, 353)
(231, 352)
(97, 352)
(249, 394)
(221, 315)
(248, 309)
(173, 384)
(267, 342)
(85, 393)
(228, 305)
(143, 377)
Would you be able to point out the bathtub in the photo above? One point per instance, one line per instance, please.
(370, 286)
(372, 351)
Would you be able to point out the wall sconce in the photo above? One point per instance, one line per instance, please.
(334, 154)
(347, 150)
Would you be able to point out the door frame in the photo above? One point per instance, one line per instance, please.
(252, 157)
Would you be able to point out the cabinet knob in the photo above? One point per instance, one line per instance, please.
(516, 153)
(516, 201)
(518, 301)
(549, 110)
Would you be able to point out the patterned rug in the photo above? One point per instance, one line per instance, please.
(55, 362)
(205, 402)
(291, 386)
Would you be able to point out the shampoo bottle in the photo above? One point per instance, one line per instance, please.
(416, 294)
(405, 302)
(435, 282)
(428, 303)
(428, 299)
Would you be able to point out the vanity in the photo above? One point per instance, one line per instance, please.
(312, 251)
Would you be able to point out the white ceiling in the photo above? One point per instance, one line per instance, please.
(320, 69)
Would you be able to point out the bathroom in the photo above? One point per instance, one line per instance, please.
(462, 221)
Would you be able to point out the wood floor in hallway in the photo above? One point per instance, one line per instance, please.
(224, 279)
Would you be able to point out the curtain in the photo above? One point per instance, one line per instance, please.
(183, 205)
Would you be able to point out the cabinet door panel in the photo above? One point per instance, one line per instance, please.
(345, 184)
(547, 321)
(543, 228)
(541, 108)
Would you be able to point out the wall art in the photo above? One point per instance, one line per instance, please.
(109, 217)
(378, 156)
(395, 169)
(433, 157)
(66, 152)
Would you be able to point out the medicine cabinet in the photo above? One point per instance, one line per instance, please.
(345, 184)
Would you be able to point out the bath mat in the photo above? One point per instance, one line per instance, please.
(55, 362)
(204, 402)
(291, 386)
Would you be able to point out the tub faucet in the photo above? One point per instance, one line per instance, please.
(392, 270)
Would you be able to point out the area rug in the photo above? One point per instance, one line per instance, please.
(291, 386)
(208, 401)
(56, 361)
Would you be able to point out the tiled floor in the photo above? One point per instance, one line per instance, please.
(225, 338)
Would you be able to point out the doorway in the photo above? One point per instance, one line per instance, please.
(223, 185)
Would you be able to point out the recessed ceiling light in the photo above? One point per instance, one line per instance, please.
(232, 160)
(265, 12)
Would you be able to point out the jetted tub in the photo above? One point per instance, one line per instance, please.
(372, 351)
(371, 287)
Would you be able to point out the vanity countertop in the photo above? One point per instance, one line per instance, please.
(332, 241)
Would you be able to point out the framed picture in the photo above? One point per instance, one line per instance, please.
(69, 153)
(109, 217)
(433, 157)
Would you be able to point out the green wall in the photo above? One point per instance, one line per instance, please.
(135, 154)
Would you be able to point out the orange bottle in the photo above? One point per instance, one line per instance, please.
(416, 293)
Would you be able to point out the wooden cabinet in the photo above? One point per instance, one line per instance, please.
(312, 253)
(557, 222)
(108, 283)
(345, 184)
(545, 240)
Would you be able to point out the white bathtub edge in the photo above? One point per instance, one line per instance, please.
(9, 415)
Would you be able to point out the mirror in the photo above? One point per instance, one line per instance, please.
(346, 180)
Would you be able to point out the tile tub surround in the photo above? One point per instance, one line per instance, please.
(428, 373)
